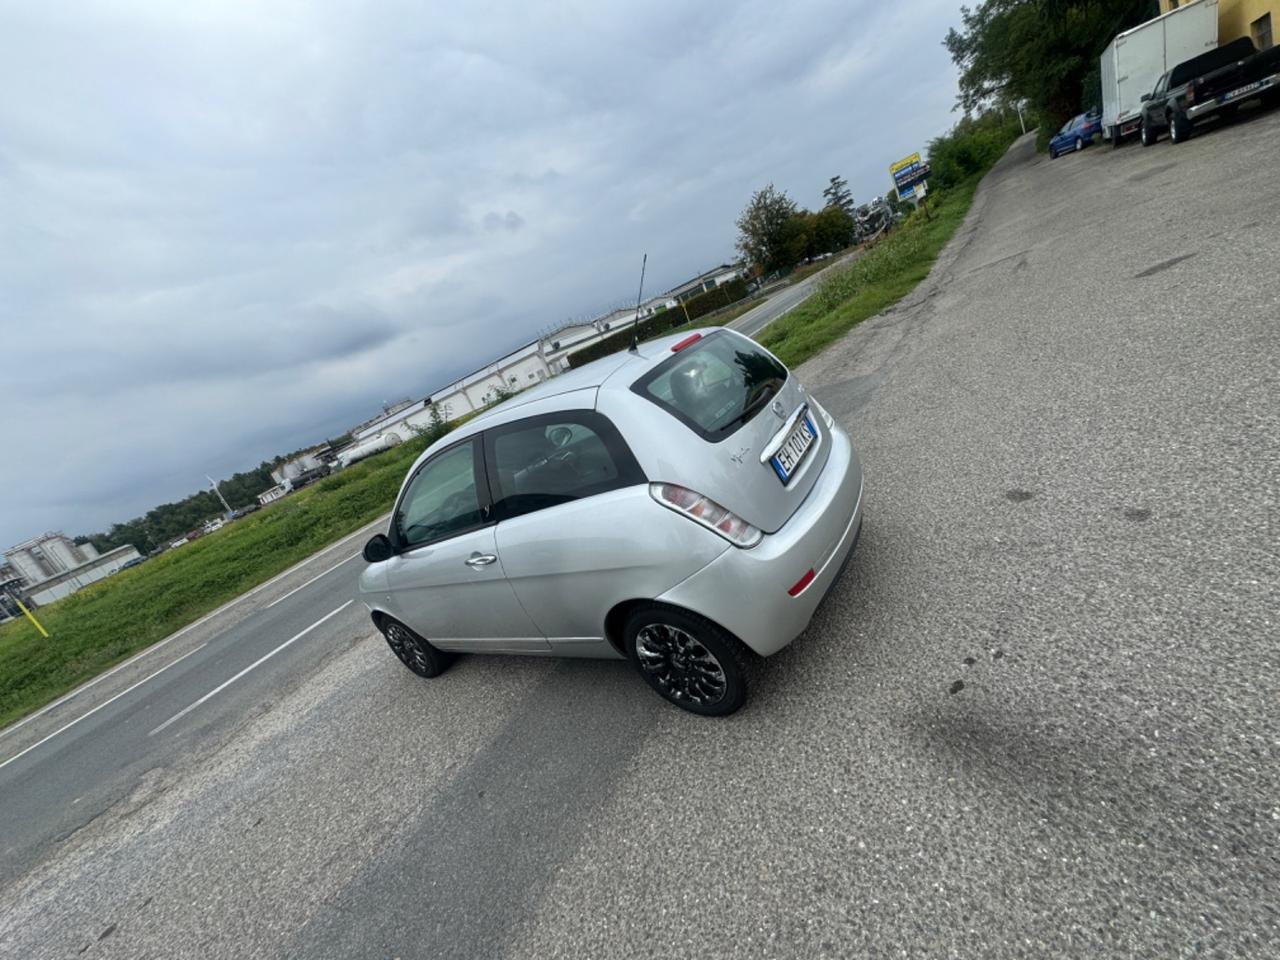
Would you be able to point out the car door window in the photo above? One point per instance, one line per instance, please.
(443, 499)
(555, 458)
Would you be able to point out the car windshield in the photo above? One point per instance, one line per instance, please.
(715, 385)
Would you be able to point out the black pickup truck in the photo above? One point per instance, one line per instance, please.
(1216, 82)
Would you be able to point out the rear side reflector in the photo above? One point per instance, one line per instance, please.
(687, 341)
(802, 583)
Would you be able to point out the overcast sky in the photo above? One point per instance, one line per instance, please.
(228, 230)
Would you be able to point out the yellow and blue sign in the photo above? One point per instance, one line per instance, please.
(909, 175)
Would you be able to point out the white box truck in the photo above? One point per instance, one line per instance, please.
(1136, 59)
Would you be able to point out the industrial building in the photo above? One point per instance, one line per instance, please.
(52, 566)
(530, 364)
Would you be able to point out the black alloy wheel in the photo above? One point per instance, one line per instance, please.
(413, 650)
(688, 660)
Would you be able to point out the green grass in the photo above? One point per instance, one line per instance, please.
(114, 618)
(878, 279)
(718, 319)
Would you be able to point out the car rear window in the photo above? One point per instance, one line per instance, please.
(714, 386)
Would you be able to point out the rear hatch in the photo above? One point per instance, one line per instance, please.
(752, 442)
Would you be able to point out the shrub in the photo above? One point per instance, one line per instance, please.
(663, 320)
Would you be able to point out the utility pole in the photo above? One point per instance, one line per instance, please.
(13, 595)
(213, 483)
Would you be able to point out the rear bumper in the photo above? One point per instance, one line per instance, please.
(745, 591)
(1238, 95)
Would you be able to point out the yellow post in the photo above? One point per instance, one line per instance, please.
(34, 622)
(687, 321)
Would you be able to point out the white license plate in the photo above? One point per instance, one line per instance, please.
(794, 448)
(1241, 92)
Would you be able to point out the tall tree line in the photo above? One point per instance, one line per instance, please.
(171, 520)
(1041, 52)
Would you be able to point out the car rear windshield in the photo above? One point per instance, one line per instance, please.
(714, 386)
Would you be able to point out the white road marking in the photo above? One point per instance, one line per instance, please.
(257, 663)
(83, 716)
(190, 626)
(311, 581)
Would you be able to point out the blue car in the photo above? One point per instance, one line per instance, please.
(1076, 134)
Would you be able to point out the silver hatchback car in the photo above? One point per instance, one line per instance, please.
(681, 505)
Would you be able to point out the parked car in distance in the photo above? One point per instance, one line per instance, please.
(682, 505)
(1214, 83)
(1076, 134)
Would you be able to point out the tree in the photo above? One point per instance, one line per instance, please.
(1040, 51)
(837, 195)
(760, 228)
(833, 229)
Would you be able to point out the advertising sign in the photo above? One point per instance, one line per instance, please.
(908, 174)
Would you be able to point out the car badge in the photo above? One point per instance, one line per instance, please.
(779, 409)
(737, 457)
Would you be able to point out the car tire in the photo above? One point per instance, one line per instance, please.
(1148, 135)
(414, 651)
(1079, 144)
(1179, 127)
(687, 660)
(1052, 154)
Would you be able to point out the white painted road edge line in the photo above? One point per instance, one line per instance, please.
(311, 581)
(190, 626)
(101, 705)
(257, 663)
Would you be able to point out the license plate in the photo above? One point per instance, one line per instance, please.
(794, 448)
(1242, 92)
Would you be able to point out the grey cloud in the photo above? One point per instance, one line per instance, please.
(226, 231)
(503, 221)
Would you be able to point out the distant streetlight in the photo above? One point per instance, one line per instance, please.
(214, 483)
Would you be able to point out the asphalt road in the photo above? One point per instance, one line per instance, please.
(755, 320)
(1036, 718)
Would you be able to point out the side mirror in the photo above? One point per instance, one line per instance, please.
(378, 549)
(1145, 97)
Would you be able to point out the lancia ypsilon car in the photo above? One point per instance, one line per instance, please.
(684, 505)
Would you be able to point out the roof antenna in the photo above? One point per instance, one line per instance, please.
(635, 336)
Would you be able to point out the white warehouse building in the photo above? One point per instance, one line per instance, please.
(53, 566)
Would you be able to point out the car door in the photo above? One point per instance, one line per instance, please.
(1055, 142)
(446, 580)
(1153, 109)
(577, 528)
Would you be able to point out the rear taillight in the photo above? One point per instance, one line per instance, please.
(1191, 94)
(707, 512)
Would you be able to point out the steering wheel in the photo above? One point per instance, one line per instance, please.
(454, 505)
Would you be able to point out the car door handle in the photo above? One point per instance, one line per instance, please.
(480, 559)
